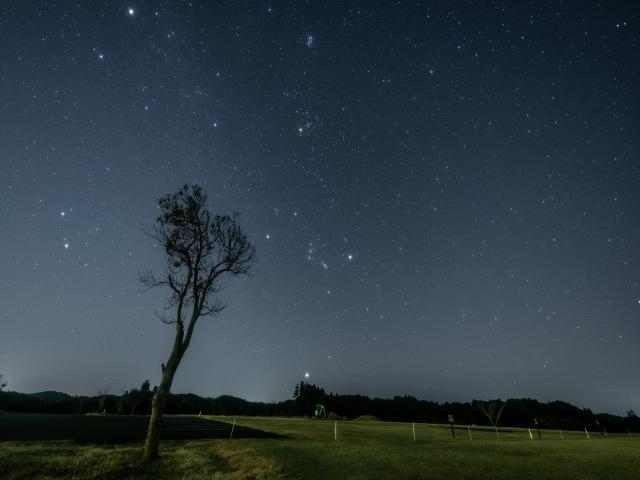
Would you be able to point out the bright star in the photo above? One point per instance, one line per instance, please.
(308, 40)
(306, 374)
(131, 11)
(62, 214)
(267, 236)
(66, 246)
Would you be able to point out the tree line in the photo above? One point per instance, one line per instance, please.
(521, 412)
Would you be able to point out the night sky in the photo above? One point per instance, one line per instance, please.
(444, 197)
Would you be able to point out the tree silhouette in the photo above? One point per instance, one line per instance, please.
(200, 250)
(492, 410)
(102, 399)
(2, 384)
(307, 396)
(135, 398)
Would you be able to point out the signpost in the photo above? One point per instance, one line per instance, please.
(451, 420)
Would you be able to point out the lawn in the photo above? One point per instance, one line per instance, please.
(362, 450)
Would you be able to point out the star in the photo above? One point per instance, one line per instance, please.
(66, 246)
(131, 11)
(306, 374)
(308, 40)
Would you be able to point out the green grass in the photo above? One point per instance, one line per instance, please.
(363, 450)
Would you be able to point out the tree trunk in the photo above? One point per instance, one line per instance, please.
(152, 442)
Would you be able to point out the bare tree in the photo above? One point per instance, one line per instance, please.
(102, 399)
(2, 384)
(492, 410)
(200, 250)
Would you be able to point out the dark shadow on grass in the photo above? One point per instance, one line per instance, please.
(115, 429)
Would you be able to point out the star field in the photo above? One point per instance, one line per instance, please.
(444, 196)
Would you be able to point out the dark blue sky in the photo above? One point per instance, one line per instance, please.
(444, 196)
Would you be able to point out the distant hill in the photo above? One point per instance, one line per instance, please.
(51, 396)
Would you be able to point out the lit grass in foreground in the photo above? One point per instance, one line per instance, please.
(363, 450)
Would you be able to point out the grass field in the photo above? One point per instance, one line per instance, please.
(362, 450)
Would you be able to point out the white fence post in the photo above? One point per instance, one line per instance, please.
(232, 428)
